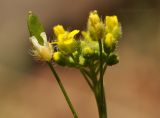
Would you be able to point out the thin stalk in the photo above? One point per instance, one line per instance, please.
(100, 100)
(63, 90)
(91, 75)
(101, 61)
(86, 78)
(100, 94)
(104, 69)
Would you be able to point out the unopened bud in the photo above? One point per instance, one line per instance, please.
(112, 59)
(113, 26)
(59, 58)
(95, 26)
(109, 43)
(87, 52)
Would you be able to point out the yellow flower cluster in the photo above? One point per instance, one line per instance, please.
(74, 51)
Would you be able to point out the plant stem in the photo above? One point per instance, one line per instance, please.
(101, 61)
(99, 89)
(63, 90)
(87, 80)
(100, 100)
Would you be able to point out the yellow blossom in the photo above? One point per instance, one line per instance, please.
(65, 40)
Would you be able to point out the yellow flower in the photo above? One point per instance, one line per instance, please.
(42, 52)
(65, 40)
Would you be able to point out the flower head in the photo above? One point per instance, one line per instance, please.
(65, 40)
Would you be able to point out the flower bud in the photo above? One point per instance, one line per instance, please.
(59, 58)
(82, 61)
(113, 26)
(112, 59)
(93, 18)
(111, 23)
(109, 43)
(70, 62)
(87, 52)
(95, 26)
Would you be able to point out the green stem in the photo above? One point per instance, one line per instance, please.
(100, 93)
(86, 78)
(63, 90)
(101, 61)
(100, 100)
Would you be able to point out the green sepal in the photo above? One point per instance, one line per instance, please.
(35, 27)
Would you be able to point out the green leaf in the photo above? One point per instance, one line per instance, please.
(35, 27)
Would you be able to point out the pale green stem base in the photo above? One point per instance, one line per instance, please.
(100, 99)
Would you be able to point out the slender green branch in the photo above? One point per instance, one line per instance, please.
(97, 71)
(101, 61)
(86, 78)
(63, 90)
(93, 74)
(104, 69)
(90, 75)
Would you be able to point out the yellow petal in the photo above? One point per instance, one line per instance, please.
(73, 33)
(58, 30)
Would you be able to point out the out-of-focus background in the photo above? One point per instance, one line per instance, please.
(27, 87)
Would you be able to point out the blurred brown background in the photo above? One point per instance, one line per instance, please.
(27, 87)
